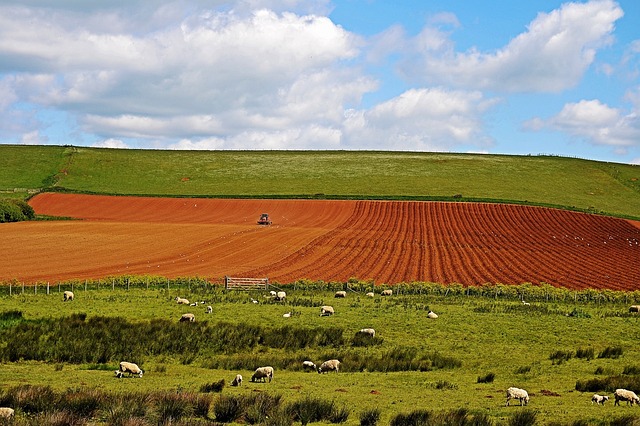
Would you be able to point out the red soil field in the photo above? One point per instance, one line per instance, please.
(386, 241)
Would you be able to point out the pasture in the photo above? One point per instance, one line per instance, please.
(417, 363)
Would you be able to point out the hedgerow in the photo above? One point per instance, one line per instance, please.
(15, 210)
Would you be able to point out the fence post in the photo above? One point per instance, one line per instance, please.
(22, 288)
(127, 284)
(9, 288)
(85, 285)
(35, 288)
(47, 287)
(113, 284)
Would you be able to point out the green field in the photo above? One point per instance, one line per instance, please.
(608, 188)
(485, 335)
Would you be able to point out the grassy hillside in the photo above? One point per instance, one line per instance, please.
(610, 188)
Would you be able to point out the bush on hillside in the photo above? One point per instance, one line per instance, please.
(12, 210)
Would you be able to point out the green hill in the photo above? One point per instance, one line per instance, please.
(608, 188)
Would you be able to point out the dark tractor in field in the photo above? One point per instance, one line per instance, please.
(264, 219)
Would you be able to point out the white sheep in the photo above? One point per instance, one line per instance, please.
(237, 381)
(526, 303)
(273, 293)
(367, 331)
(287, 315)
(280, 296)
(309, 365)
(209, 309)
(599, 399)
(131, 368)
(341, 293)
(432, 315)
(519, 394)
(634, 308)
(262, 373)
(182, 301)
(331, 365)
(67, 296)
(370, 294)
(189, 317)
(6, 413)
(325, 311)
(625, 395)
(387, 292)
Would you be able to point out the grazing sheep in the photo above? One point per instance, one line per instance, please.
(188, 317)
(287, 315)
(182, 301)
(387, 292)
(131, 368)
(432, 315)
(280, 296)
(237, 381)
(370, 294)
(526, 303)
(325, 311)
(262, 373)
(67, 295)
(599, 399)
(309, 365)
(516, 393)
(6, 413)
(367, 331)
(331, 365)
(209, 309)
(634, 308)
(273, 293)
(341, 293)
(625, 395)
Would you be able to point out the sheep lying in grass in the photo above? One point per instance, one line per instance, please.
(237, 381)
(309, 365)
(325, 311)
(519, 394)
(331, 365)
(625, 395)
(599, 399)
(129, 367)
(370, 294)
(6, 413)
(188, 317)
(367, 332)
(341, 293)
(182, 301)
(432, 315)
(634, 308)
(387, 292)
(262, 373)
(67, 296)
(209, 309)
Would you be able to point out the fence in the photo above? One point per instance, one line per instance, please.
(235, 283)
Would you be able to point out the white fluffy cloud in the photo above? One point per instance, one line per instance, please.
(595, 122)
(552, 55)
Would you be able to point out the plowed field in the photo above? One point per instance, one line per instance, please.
(387, 241)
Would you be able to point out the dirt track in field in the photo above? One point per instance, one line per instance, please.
(387, 241)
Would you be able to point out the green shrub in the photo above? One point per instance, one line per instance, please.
(585, 353)
(228, 408)
(171, 407)
(370, 417)
(311, 410)
(523, 418)
(488, 378)
(213, 387)
(558, 357)
(414, 418)
(611, 352)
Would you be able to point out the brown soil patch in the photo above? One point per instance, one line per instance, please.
(387, 241)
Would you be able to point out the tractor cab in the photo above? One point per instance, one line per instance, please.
(264, 219)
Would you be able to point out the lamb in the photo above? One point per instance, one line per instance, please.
(281, 295)
(331, 365)
(209, 309)
(599, 399)
(367, 331)
(309, 365)
(273, 293)
(370, 294)
(432, 315)
(341, 293)
(387, 292)
(188, 317)
(625, 395)
(237, 381)
(182, 301)
(6, 413)
(634, 308)
(262, 373)
(129, 367)
(516, 393)
(326, 311)
(67, 296)
(526, 303)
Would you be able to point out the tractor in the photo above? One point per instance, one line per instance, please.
(264, 219)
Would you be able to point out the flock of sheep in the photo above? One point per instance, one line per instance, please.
(263, 374)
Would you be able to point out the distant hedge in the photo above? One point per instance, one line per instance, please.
(12, 210)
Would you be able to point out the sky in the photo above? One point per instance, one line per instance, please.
(500, 77)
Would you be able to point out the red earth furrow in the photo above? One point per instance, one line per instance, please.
(389, 242)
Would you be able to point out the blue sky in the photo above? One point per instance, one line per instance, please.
(542, 77)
